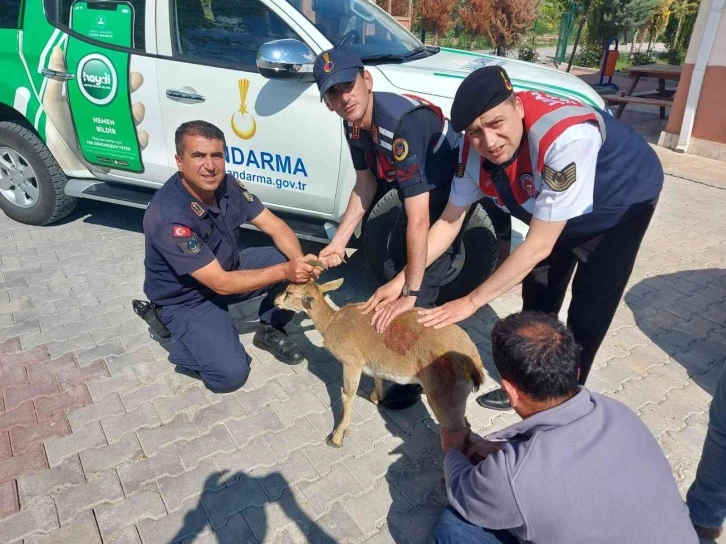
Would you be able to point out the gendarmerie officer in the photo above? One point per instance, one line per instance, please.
(586, 184)
(405, 141)
(194, 268)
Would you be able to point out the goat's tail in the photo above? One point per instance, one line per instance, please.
(476, 370)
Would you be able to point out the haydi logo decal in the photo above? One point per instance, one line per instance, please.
(97, 79)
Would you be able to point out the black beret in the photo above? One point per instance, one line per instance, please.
(481, 91)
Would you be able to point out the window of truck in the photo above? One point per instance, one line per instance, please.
(10, 14)
(227, 32)
(361, 25)
(59, 12)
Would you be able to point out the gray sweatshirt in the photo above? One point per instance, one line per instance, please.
(586, 471)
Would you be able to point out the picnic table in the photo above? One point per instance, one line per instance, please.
(661, 98)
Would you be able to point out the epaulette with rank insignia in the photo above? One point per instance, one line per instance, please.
(249, 197)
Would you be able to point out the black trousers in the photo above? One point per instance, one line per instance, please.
(604, 263)
(396, 258)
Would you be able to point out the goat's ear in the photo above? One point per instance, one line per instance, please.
(331, 285)
(307, 301)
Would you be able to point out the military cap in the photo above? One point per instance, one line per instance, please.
(481, 91)
(337, 65)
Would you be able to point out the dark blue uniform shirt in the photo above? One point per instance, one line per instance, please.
(411, 144)
(183, 235)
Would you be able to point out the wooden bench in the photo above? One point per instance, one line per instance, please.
(663, 98)
(624, 100)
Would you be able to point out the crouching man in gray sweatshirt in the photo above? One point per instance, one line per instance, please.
(579, 468)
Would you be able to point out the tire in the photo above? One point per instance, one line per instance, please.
(475, 262)
(47, 184)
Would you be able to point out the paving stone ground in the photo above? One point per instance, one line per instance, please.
(102, 441)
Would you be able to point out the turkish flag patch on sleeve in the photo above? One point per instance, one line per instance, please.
(180, 231)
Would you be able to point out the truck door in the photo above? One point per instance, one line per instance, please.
(281, 140)
(94, 74)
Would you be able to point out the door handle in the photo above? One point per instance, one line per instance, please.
(182, 96)
(47, 72)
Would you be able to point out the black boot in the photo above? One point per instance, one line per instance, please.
(495, 400)
(276, 341)
(400, 396)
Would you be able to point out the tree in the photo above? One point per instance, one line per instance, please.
(510, 19)
(656, 25)
(637, 13)
(679, 28)
(398, 8)
(476, 18)
(610, 18)
(435, 16)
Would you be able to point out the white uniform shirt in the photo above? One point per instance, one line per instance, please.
(579, 144)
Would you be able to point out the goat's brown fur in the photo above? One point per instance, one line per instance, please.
(444, 361)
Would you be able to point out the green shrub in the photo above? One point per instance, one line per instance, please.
(528, 53)
(464, 41)
(639, 59)
(589, 57)
(675, 56)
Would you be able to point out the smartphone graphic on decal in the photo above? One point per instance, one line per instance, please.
(99, 96)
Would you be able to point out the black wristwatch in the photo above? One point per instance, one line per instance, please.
(408, 292)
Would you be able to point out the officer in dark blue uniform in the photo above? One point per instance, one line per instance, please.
(194, 268)
(407, 141)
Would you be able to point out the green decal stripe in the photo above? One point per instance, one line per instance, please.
(468, 53)
(561, 91)
(454, 76)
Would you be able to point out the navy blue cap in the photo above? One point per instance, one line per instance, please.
(481, 91)
(337, 65)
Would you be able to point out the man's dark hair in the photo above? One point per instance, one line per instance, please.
(196, 128)
(537, 353)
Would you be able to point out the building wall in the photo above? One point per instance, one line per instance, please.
(710, 122)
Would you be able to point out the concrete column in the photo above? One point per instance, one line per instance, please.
(709, 128)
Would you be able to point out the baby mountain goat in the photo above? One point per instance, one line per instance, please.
(445, 361)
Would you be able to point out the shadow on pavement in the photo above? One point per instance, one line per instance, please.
(684, 314)
(253, 527)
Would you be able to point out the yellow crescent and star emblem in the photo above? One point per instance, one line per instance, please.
(507, 83)
(243, 123)
(400, 149)
(328, 66)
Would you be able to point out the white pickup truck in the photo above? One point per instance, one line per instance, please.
(92, 92)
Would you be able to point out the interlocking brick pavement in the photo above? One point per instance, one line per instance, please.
(102, 441)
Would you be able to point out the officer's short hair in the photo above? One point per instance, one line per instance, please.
(196, 128)
(537, 353)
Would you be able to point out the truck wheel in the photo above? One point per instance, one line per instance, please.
(31, 182)
(475, 262)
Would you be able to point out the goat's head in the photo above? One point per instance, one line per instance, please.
(301, 297)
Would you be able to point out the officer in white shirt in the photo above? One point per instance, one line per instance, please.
(586, 184)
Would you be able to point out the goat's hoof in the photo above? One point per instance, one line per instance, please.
(334, 442)
(374, 398)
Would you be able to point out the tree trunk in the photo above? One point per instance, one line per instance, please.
(577, 37)
(678, 31)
